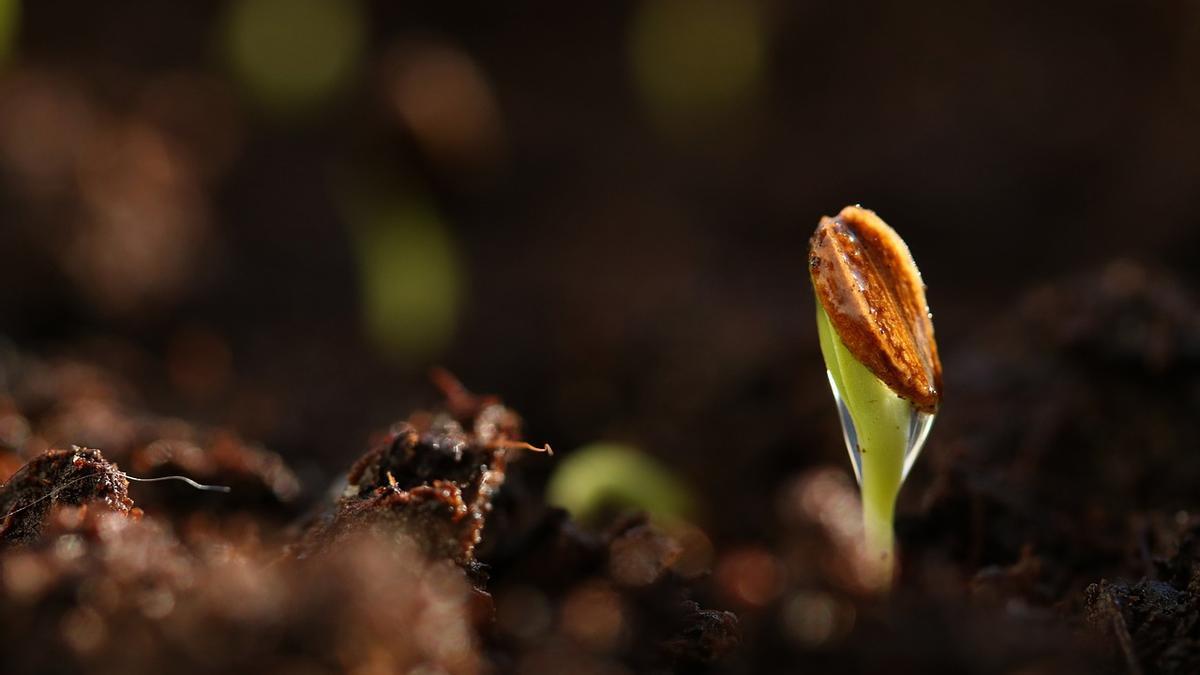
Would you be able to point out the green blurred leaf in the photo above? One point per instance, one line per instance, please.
(601, 476)
(696, 60)
(291, 54)
(410, 278)
(10, 22)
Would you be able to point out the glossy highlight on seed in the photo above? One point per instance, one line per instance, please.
(872, 292)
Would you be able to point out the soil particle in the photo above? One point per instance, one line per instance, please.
(101, 593)
(79, 476)
(55, 402)
(1152, 625)
(428, 478)
(386, 579)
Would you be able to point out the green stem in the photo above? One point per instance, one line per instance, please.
(881, 424)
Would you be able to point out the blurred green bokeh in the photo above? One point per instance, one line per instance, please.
(10, 21)
(291, 54)
(410, 278)
(600, 477)
(695, 61)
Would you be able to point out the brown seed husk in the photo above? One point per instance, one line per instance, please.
(870, 288)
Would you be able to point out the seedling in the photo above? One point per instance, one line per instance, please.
(876, 335)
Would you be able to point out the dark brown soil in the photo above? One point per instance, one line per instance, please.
(601, 213)
(1053, 529)
(100, 586)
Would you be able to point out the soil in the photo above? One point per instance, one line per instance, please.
(100, 585)
(1052, 529)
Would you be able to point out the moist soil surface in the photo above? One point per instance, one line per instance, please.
(1052, 525)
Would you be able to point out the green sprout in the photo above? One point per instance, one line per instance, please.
(876, 335)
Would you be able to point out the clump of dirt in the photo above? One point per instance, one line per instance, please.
(1058, 532)
(432, 477)
(1057, 467)
(435, 484)
(1153, 624)
(387, 579)
(1064, 433)
(103, 593)
(79, 476)
(49, 403)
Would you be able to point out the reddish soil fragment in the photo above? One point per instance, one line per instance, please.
(101, 593)
(431, 481)
(79, 476)
(429, 478)
(55, 402)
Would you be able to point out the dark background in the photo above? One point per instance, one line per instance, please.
(599, 211)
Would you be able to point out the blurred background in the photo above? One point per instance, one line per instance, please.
(276, 215)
